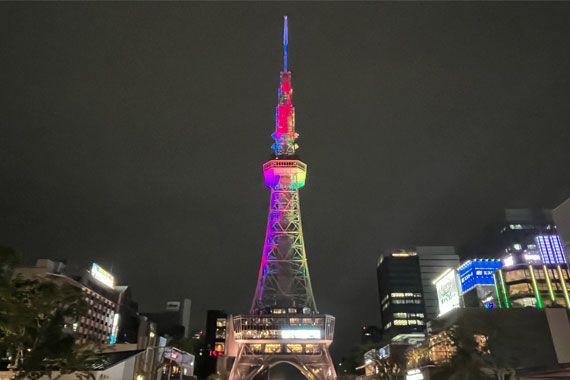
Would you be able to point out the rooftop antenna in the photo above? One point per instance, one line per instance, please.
(285, 42)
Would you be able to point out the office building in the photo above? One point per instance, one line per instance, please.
(433, 261)
(101, 323)
(401, 302)
(215, 340)
(561, 216)
(174, 321)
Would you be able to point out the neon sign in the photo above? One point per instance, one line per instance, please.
(102, 275)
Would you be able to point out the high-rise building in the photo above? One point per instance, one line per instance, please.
(561, 216)
(516, 232)
(174, 320)
(401, 295)
(433, 261)
(283, 324)
(215, 340)
(101, 323)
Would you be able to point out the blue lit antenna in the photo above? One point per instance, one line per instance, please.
(285, 42)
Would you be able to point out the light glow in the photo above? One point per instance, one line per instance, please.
(549, 283)
(564, 288)
(535, 286)
(301, 334)
(102, 275)
(504, 288)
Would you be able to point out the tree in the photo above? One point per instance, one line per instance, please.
(34, 317)
(388, 369)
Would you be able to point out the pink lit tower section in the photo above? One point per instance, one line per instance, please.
(284, 276)
(283, 324)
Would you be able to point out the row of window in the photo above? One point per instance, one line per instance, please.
(524, 274)
(405, 295)
(408, 315)
(275, 348)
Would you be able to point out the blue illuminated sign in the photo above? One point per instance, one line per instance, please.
(478, 272)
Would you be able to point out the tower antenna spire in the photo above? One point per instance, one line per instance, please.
(285, 43)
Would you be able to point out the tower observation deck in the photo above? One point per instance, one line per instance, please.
(283, 324)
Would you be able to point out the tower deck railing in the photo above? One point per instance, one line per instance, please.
(302, 327)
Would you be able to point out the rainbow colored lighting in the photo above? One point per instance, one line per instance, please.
(283, 280)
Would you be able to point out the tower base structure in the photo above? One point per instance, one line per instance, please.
(261, 342)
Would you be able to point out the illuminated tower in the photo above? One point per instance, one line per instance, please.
(283, 324)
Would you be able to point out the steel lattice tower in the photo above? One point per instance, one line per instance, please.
(284, 324)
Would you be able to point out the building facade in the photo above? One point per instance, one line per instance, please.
(401, 295)
(532, 280)
(433, 261)
(101, 323)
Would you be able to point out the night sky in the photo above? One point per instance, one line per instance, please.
(133, 135)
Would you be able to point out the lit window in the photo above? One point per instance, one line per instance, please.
(219, 346)
(279, 311)
(312, 349)
(400, 322)
(397, 295)
(272, 348)
(291, 310)
(295, 348)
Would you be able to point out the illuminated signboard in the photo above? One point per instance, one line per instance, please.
(102, 275)
(478, 272)
(114, 329)
(414, 374)
(550, 248)
(301, 334)
(448, 291)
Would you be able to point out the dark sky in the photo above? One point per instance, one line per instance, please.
(133, 135)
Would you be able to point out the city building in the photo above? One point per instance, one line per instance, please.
(433, 261)
(101, 323)
(401, 301)
(532, 342)
(478, 282)
(516, 232)
(535, 278)
(215, 340)
(561, 216)
(448, 290)
(174, 320)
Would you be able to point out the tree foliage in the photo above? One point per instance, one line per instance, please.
(35, 320)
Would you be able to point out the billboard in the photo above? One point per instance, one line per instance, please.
(301, 334)
(448, 291)
(102, 275)
(478, 272)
